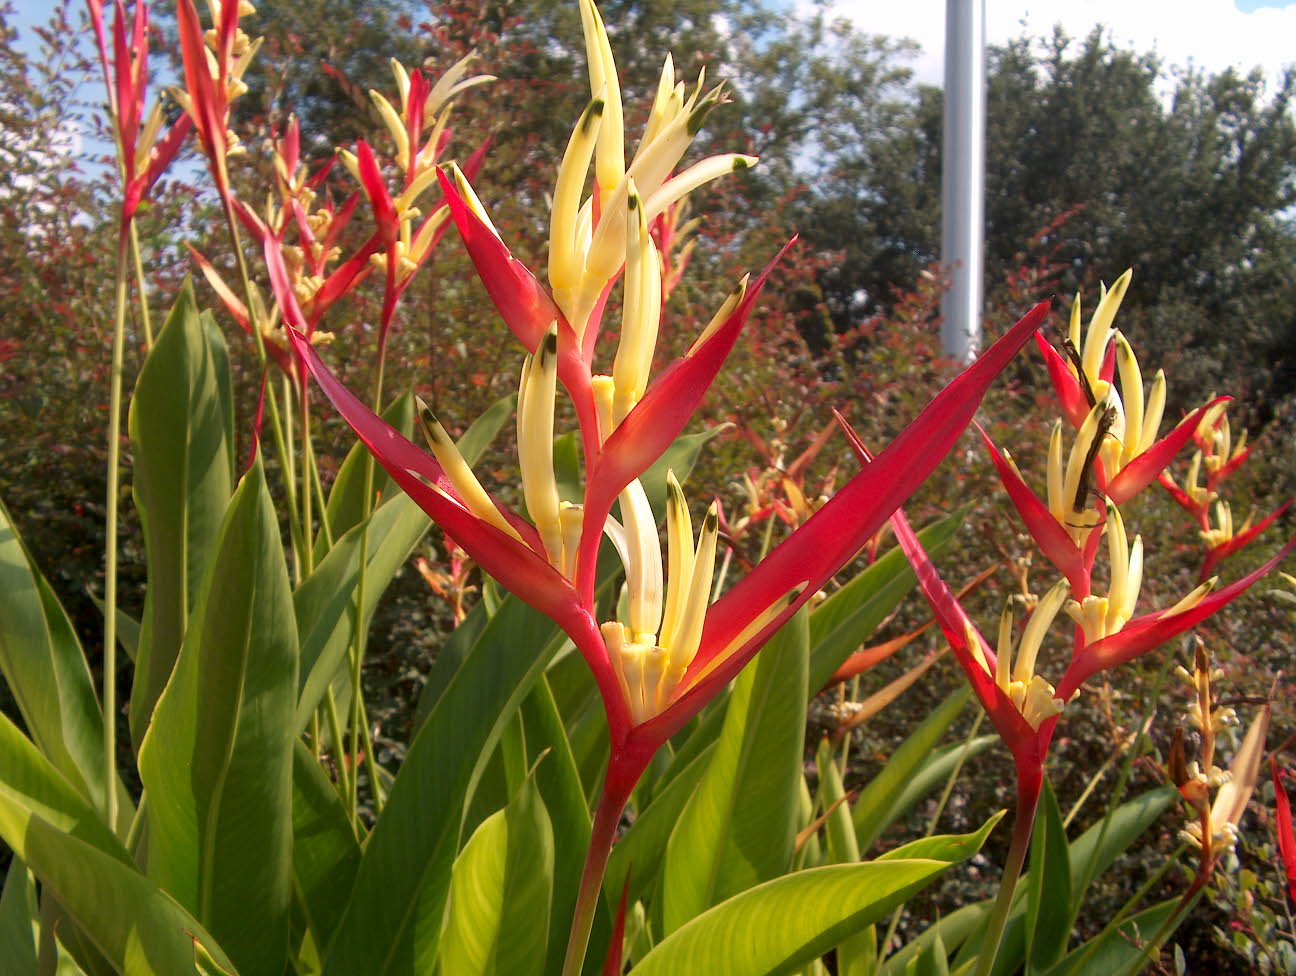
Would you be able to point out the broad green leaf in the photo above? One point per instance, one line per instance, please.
(960, 930)
(182, 485)
(140, 929)
(224, 385)
(482, 432)
(345, 506)
(933, 961)
(930, 776)
(1048, 906)
(1128, 821)
(782, 924)
(878, 798)
(55, 831)
(325, 853)
(449, 657)
(498, 921)
(848, 618)
(217, 759)
(324, 602)
(394, 912)
(46, 671)
(559, 782)
(739, 826)
(18, 923)
(1117, 952)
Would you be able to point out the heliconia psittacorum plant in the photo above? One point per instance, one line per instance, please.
(676, 650)
(1115, 456)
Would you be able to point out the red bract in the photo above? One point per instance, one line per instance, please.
(1216, 554)
(1286, 836)
(143, 161)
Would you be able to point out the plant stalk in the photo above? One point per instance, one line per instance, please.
(622, 775)
(1029, 783)
(110, 547)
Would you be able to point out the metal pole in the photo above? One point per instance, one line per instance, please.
(963, 177)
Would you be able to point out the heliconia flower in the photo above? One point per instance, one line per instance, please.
(1079, 490)
(1223, 540)
(1111, 637)
(144, 150)
(214, 63)
(1083, 378)
(1221, 454)
(1283, 827)
(1194, 497)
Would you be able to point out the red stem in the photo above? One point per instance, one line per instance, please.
(623, 773)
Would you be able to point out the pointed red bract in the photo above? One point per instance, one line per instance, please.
(514, 565)
(1142, 470)
(526, 307)
(1283, 826)
(1239, 541)
(523, 302)
(612, 963)
(1071, 395)
(1145, 633)
(1053, 540)
(1213, 478)
(832, 536)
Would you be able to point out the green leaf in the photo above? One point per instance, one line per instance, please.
(1048, 905)
(1128, 821)
(482, 432)
(498, 923)
(182, 484)
(680, 457)
(449, 658)
(325, 852)
(217, 759)
(786, 923)
(46, 671)
(932, 774)
(842, 846)
(878, 800)
(848, 618)
(394, 912)
(934, 960)
(346, 504)
(324, 602)
(739, 826)
(55, 831)
(18, 920)
(960, 930)
(559, 782)
(224, 386)
(1118, 951)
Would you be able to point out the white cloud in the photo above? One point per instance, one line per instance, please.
(1207, 34)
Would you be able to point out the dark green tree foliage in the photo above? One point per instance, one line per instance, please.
(1192, 190)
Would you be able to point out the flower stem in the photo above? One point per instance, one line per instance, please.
(145, 319)
(1029, 782)
(611, 802)
(110, 547)
(625, 766)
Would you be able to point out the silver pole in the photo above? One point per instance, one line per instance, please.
(963, 177)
